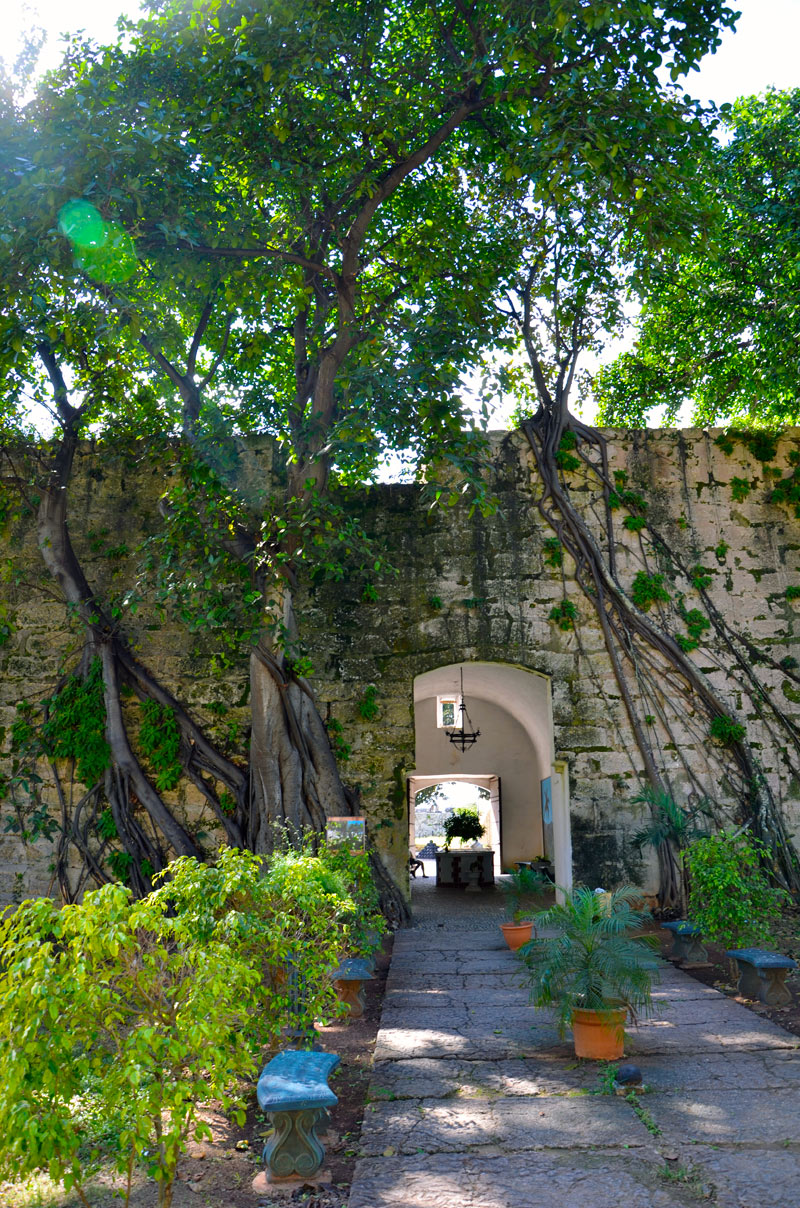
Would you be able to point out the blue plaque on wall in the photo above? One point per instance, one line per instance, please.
(547, 802)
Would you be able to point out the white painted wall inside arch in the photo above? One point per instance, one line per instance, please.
(512, 708)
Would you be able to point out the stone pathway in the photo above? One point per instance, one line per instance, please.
(476, 1103)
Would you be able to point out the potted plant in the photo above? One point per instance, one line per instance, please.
(593, 968)
(463, 824)
(523, 890)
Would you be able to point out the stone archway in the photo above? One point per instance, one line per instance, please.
(512, 708)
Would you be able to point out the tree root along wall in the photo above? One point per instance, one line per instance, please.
(630, 704)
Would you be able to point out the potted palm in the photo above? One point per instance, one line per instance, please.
(593, 968)
(524, 890)
(464, 824)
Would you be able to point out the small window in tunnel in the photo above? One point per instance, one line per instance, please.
(447, 711)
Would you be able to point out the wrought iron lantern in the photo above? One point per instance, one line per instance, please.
(463, 736)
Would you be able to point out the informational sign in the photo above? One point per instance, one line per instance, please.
(547, 817)
(347, 831)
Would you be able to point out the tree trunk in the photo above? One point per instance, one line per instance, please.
(294, 781)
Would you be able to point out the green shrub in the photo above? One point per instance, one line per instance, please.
(284, 913)
(363, 923)
(730, 897)
(115, 994)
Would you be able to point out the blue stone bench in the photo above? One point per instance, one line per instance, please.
(349, 981)
(686, 942)
(762, 975)
(293, 1092)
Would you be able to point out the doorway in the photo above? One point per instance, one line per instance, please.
(482, 792)
(511, 707)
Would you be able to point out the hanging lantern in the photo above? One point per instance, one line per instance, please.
(463, 736)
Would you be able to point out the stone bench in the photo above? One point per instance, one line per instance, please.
(762, 975)
(349, 981)
(686, 942)
(294, 1094)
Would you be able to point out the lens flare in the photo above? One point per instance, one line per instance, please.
(82, 224)
(104, 250)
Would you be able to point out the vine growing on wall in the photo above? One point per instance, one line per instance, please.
(689, 679)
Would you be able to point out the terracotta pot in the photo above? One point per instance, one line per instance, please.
(516, 934)
(599, 1035)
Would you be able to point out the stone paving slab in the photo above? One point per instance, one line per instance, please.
(543, 1179)
(458, 963)
(737, 1070)
(451, 941)
(512, 1040)
(438, 979)
(653, 1036)
(442, 1078)
(744, 1116)
(500, 1125)
(426, 999)
(485, 1017)
(749, 1177)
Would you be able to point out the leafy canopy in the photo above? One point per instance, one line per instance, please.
(719, 326)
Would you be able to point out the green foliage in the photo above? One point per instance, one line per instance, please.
(740, 489)
(160, 741)
(648, 590)
(787, 490)
(793, 592)
(564, 458)
(524, 889)
(671, 823)
(368, 707)
(718, 328)
(116, 994)
(435, 602)
(553, 551)
(730, 896)
(594, 957)
(363, 923)
(721, 551)
(701, 577)
(341, 749)
(464, 824)
(563, 614)
(607, 1079)
(6, 623)
(120, 864)
(634, 524)
(290, 916)
(762, 445)
(725, 730)
(135, 1014)
(696, 623)
(75, 727)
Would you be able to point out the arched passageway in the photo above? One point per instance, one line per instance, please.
(513, 757)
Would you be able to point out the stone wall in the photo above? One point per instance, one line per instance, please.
(467, 588)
